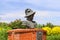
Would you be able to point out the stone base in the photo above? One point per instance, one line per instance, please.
(27, 34)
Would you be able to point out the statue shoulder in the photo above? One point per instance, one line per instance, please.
(24, 22)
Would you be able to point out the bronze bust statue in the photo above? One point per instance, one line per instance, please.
(29, 16)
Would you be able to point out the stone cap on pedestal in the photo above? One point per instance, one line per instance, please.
(26, 30)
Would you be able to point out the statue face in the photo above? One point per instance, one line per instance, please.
(30, 18)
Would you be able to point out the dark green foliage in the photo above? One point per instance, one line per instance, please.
(39, 26)
(16, 24)
(43, 25)
(53, 37)
(2, 24)
(50, 25)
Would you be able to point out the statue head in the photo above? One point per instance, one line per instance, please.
(29, 14)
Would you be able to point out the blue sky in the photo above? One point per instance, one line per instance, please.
(46, 10)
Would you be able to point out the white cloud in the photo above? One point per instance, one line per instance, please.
(43, 17)
(13, 14)
(47, 13)
(42, 13)
(5, 21)
(40, 16)
(7, 17)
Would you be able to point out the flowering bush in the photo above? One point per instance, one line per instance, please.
(55, 30)
(48, 29)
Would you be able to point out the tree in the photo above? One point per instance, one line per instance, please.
(43, 25)
(50, 25)
(39, 26)
(3, 24)
(16, 24)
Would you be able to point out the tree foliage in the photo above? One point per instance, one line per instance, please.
(16, 24)
(3, 24)
(50, 25)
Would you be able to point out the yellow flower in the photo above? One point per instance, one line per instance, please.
(48, 29)
(55, 30)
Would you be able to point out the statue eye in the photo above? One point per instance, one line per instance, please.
(28, 11)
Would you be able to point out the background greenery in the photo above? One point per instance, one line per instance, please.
(3, 33)
(53, 31)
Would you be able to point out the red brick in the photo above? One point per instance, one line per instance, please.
(25, 34)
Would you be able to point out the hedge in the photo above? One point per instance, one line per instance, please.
(3, 33)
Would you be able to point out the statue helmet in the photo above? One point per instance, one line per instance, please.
(29, 12)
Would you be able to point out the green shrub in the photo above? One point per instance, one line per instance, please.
(38, 26)
(3, 24)
(16, 24)
(3, 33)
(50, 31)
(53, 37)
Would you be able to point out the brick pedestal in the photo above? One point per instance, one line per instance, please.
(27, 34)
